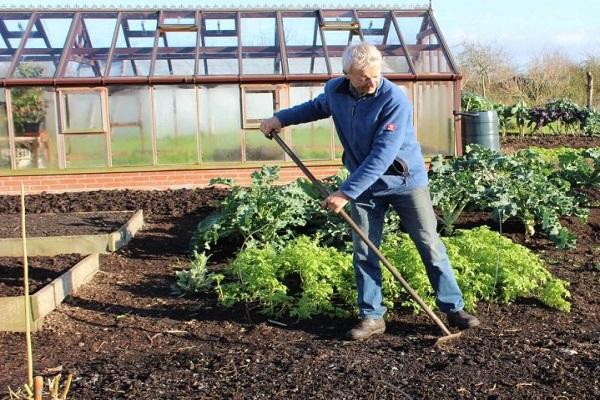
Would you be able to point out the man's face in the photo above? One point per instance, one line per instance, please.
(366, 80)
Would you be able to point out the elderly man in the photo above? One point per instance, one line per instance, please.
(373, 119)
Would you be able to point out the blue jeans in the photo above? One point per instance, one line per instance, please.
(418, 218)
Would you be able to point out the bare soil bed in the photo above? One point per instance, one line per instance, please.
(63, 224)
(125, 335)
(42, 270)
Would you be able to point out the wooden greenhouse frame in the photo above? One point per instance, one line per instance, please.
(100, 53)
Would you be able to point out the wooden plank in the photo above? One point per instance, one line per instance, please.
(81, 244)
(12, 314)
(12, 309)
(54, 245)
(124, 235)
(51, 295)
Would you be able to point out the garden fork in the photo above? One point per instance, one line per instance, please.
(324, 193)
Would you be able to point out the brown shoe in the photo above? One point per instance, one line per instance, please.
(365, 328)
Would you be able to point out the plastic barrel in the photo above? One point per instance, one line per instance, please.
(481, 128)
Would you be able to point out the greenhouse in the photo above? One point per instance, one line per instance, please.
(99, 91)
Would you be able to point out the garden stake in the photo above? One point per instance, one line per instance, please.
(324, 193)
(26, 291)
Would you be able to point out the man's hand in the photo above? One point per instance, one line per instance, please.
(269, 125)
(335, 201)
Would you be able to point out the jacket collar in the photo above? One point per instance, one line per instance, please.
(345, 88)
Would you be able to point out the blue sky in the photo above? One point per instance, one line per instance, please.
(523, 28)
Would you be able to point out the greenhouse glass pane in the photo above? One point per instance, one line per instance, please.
(435, 123)
(301, 31)
(135, 42)
(179, 17)
(219, 44)
(88, 54)
(219, 29)
(12, 27)
(411, 26)
(174, 67)
(124, 65)
(175, 113)
(337, 145)
(311, 141)
(304, 50)
(48, 148)
(137, 30)
(378, 29)
(220, 123)
(218, 66)
(423, 43)
(312, 65)
(4, 65)
(35, 126)
(337, 67)
(395, 64)
(4, 143)
(83, 112)
(176, 53)
(130, 125)
(259, 148)
(260, 46)
(340, 38)
(259, 105)
(85, 151)
(259, 31)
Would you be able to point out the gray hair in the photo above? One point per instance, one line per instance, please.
(360, 56)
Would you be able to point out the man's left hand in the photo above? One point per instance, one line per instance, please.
(335, 201)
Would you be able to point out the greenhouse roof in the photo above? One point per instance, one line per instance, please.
(102, 46)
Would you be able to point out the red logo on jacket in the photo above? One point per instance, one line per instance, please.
(390, 127)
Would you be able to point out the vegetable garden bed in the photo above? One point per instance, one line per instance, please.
(84, 233)
(52, 280)
(129, 336)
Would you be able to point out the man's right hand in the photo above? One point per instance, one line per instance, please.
(269, 125)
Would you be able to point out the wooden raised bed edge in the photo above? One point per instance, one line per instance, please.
(82, 244)
(12, 309)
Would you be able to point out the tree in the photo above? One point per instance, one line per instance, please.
(484, 67)
(548, 77)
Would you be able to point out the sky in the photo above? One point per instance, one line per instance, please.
(522, 28)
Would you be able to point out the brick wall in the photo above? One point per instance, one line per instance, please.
(149, 180)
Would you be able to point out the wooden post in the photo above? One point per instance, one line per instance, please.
(38, 388)
(590, 89)
(26, 292)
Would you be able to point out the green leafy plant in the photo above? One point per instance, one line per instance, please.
(28, 104)
(505, 116)
(520, 185)
(196, 279)
(488, 267)
(471, 102)
(566, 112)
(301, 279)
(590, 121)
(581, 169)
(263, 213)
(304, 279)
(520, 112)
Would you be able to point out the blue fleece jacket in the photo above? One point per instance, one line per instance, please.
(381, 150)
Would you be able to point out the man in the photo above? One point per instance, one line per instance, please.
(373, 119)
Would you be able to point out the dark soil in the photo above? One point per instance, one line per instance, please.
(90, 223)
(125, 335)
(42, 270)
(510, 144)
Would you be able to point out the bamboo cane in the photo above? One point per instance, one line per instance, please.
(26, 290)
